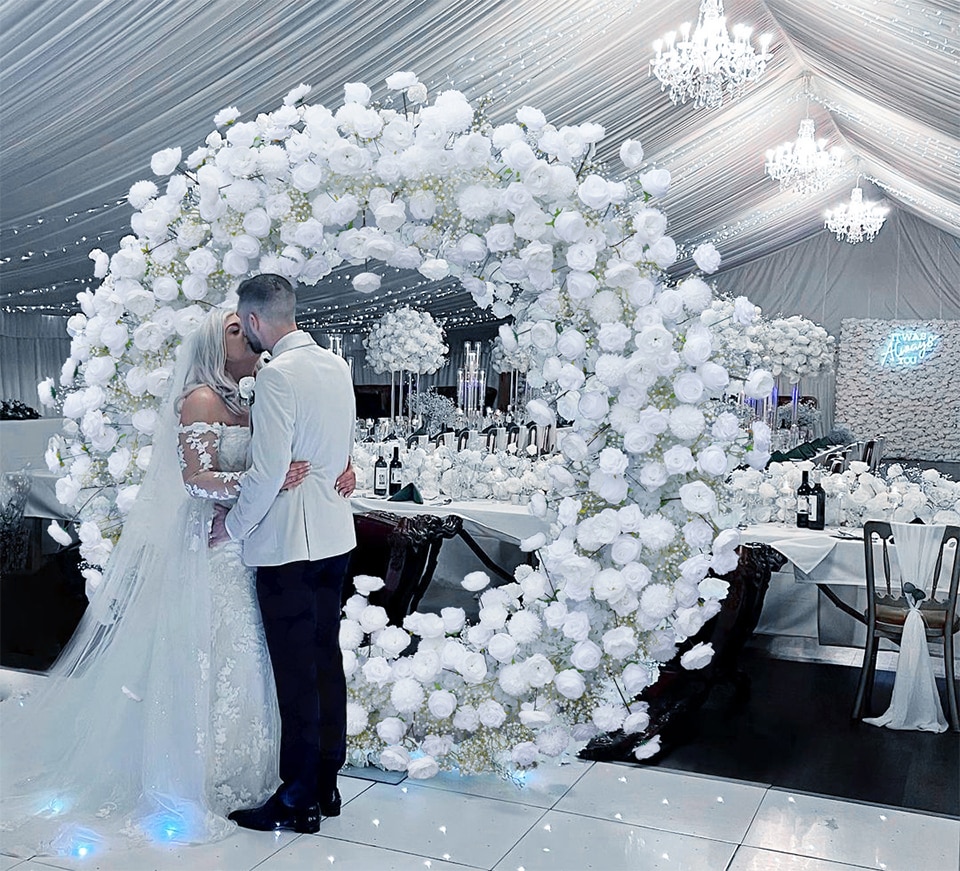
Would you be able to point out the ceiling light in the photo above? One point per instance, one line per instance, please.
(804, 166)
(701, 65)
(857, 220)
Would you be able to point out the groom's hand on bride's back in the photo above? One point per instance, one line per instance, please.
(218, 530)
(299, 469)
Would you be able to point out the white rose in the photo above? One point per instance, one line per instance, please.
(707, 258)
(581, 285)
(758, 385)
(655, 182)
(441, 704)
(165, 162)
(570, 683)
(502, 647)
(594, 192)
(586, 655)
(475, 581)
(619, 642)
(543, 335)
(631, 153)
(712, 460)
(394, 758)
(423, 768)
(697, 656)
(698, 498)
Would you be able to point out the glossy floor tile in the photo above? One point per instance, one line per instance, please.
(540, 787)
(581, 816)
(857, 834)
(242, 850)
(316, 851)
(409, 818)
(569, 842)
(682, 803)
(752, 859)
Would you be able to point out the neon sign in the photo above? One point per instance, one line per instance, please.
(904, 348)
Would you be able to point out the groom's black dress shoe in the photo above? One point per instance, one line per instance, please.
(273, 814)
(331, 807)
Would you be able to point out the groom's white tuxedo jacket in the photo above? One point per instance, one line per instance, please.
(303, 409)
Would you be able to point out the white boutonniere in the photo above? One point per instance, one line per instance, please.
(246, 385)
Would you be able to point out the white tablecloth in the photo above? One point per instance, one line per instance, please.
(508, 521)
(794, 606)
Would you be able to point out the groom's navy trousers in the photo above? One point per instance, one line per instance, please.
(300, 605)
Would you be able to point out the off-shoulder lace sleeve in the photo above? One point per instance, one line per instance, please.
(198, 447)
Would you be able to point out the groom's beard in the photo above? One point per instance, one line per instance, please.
(254, 343)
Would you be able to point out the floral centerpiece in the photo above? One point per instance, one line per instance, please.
(508, 475)
(406, 339)
(736, 331)
(796, 348)
(538, 232)
(513, 360)
(854, 496)
(437, 411)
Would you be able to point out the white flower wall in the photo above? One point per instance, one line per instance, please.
(899, 379)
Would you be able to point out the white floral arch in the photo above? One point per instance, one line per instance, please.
(531, 225)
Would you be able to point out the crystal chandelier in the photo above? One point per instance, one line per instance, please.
(855, 221)
(804, 166)
(700, 65)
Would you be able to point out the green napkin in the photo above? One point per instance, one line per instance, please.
(410, 493)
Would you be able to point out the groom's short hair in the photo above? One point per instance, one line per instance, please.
(270, 296)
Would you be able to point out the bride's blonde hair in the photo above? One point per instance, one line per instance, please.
(208, 367)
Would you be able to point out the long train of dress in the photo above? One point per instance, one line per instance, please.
(160, 717)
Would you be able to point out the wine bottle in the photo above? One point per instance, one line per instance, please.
(818, 504)
(803, 502)
(396, 472)
(380, 477)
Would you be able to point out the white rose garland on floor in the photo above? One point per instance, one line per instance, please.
(406, 339)
(535, 229)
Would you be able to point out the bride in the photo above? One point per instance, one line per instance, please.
(160, 715)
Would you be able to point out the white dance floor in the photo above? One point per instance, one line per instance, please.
(579, 816)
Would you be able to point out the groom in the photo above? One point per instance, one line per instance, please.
(300, 541)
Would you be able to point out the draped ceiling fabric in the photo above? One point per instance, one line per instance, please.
(92, 88)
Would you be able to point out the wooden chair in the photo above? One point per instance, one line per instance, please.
(401, 549)
(886, 613)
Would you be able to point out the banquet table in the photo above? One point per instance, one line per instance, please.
(493, 526)
(828, 561)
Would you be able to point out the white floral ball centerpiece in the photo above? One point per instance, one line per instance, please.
(537, 231)
(796, 348)
(406, 339)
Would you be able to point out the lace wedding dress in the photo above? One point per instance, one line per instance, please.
(160, 717)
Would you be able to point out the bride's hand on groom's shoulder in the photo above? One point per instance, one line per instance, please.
(218, 529)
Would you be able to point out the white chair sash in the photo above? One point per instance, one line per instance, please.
(915, 703)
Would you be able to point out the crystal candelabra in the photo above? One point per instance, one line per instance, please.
(700, 65)
(855, 221)
(471, 382)
(804, 166)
